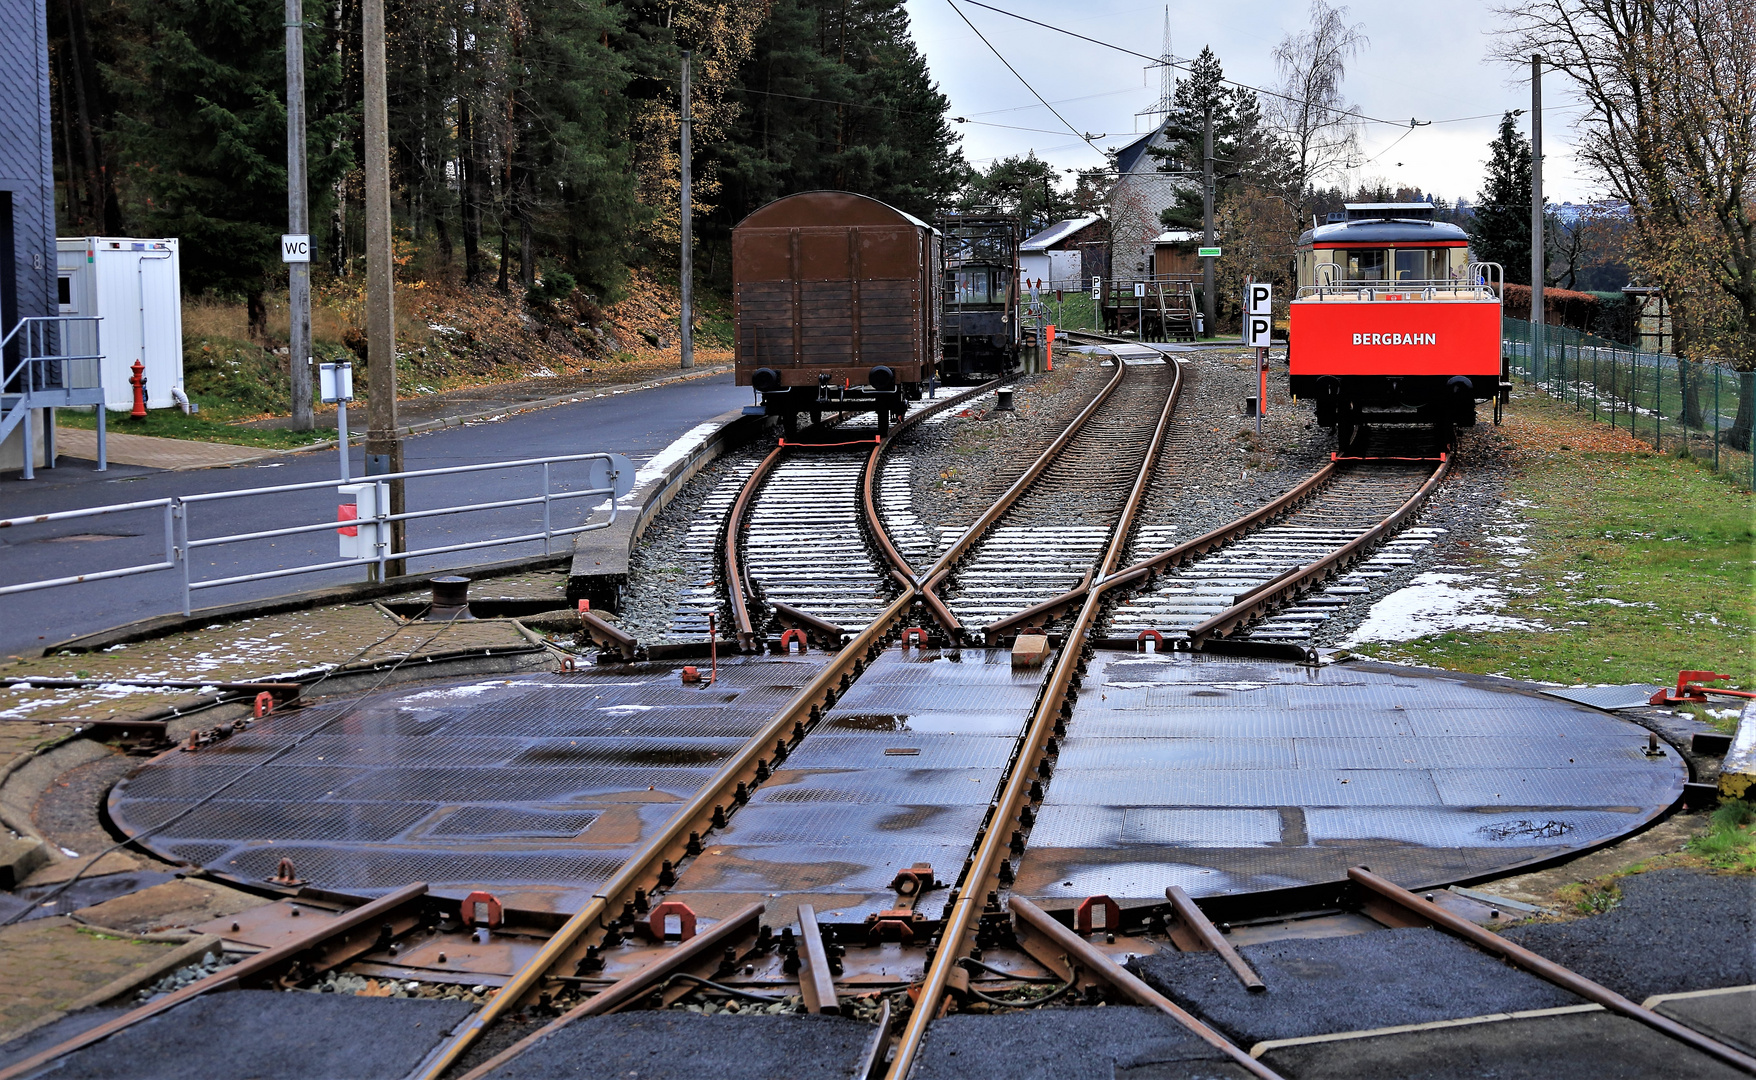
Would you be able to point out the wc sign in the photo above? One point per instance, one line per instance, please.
(1258, 315)
(295, 248)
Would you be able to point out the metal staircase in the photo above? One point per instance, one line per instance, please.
(49, 363)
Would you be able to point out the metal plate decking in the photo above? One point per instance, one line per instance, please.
(535, 788)
(901, 771)
(1226, 775)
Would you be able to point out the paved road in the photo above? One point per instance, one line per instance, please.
(639, 424)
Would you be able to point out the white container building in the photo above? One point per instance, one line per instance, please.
(136, 287)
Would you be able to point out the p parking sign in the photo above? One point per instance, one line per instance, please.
(1258, 331)
(1259, 298)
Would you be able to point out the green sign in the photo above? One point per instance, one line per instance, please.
(1207, 253)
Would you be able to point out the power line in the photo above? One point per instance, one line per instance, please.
(1015, 127)
(1076, 132)
(1176, 63)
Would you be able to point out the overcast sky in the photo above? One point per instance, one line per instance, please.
(1427, 61)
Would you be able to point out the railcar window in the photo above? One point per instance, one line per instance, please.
(1365, 264)
(1421, 264)
(973, 286)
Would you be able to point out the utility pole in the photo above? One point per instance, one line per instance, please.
(1538, 360)
(687, 337)
(383, 447)
(1207, 217)
(298, 223)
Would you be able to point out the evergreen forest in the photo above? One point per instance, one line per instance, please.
(529, 138)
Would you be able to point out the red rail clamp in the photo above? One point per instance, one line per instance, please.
(1690, 691)
(655, 922)
(481, 909)
(1082, 920)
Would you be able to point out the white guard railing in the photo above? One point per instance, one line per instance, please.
(610, 476)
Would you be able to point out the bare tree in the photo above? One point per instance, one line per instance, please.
(1671, 129)
(1310, 112)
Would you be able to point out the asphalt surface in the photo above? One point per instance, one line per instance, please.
(638, 424)
(1730, 1018)
(1673, 931)
(1317, 986)
(1057, 1044)
(268, 1035)
(1571, 1046)
(677, 1045)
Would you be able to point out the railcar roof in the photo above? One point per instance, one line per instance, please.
(1383, 231)
(811, 208)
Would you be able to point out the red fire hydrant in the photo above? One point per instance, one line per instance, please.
(139, 384)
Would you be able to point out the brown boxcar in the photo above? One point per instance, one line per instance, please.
(835, 304)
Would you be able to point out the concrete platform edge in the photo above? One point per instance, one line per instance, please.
(600, 559)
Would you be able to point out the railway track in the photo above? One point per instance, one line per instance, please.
(851, 579)
(1053, 535)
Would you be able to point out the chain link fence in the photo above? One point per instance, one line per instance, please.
(1700, 409)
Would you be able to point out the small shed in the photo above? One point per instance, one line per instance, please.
(1174, 254)
(1054, 256)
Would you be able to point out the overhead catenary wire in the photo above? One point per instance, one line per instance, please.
(1033, 92)
(1185, 66)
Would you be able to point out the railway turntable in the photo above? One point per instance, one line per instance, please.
(1224, 775)
(1220, 775)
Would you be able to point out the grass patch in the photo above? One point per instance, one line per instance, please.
(1591, 897)
(1639, 565)
(1730, 840)
(173, 424)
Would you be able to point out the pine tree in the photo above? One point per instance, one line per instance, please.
(836, 95)
(1239, 141)
(1501, 232)
(1018, 185)
(201, 88)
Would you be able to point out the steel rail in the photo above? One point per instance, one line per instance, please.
(626, 989)
(1548, 970)
(934, 576)
(738, 590)
(1263, 598)
(643, 869)
(1176, 556)
(1094, 961)
(670, 845)
(400, 907)
(995, 843)
(900, 567)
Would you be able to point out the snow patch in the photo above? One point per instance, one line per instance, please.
(1433, 603)
(654, 469)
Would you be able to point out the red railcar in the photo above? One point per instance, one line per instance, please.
(1393, 323)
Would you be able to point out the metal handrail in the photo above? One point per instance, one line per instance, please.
(179, 546)
(34, 328)
(1479, 280)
